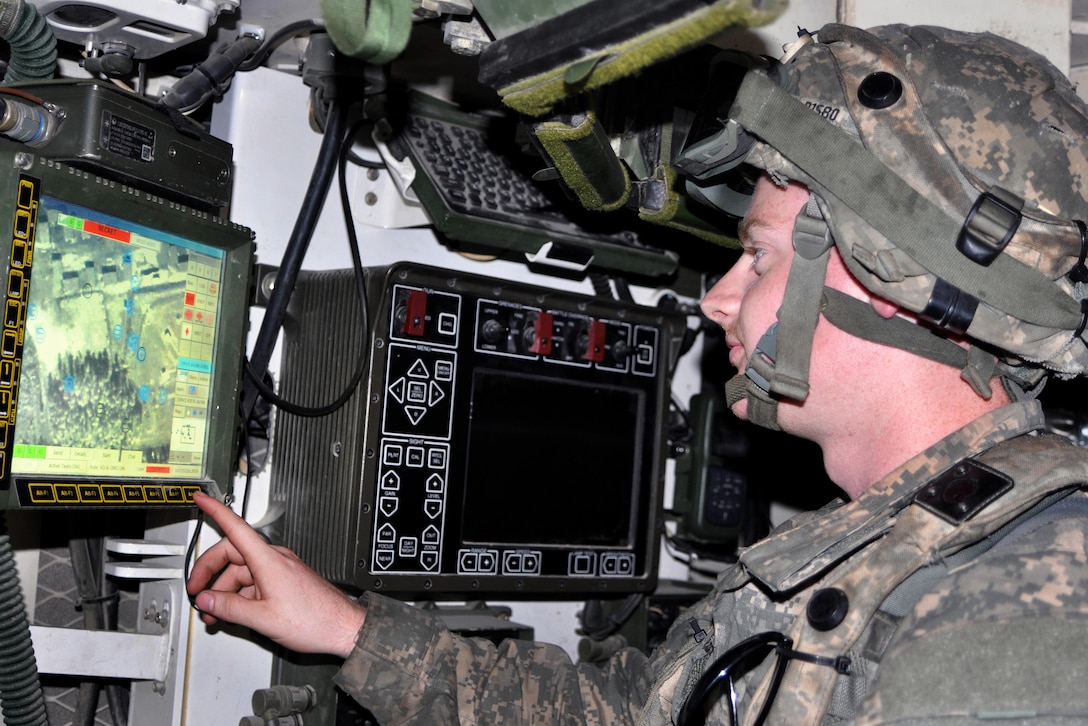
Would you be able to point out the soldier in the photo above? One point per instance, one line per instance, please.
(913, 270)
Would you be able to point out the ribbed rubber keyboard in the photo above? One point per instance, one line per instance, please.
(475, 189)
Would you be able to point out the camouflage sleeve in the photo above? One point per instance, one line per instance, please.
(1002, 637)
(407, 668)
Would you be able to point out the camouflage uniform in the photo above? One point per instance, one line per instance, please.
(1004, 635)
(949, 170)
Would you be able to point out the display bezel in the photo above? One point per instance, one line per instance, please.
(84, 190)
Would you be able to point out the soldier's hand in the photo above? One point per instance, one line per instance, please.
(244, 580)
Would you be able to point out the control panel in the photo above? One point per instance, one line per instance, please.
(511, 441)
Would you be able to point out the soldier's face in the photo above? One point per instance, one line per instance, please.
(745, 301)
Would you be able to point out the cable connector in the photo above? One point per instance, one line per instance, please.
(33, 124)
(212, 77)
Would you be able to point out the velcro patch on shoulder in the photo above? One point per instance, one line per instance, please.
(963, 491)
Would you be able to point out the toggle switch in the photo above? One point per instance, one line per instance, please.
(595, 342)
(415, 320)
(542, 334)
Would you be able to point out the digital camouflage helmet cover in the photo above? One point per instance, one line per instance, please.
(950, 169)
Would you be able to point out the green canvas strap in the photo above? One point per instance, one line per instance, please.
(858, 318)
(854, 176)
(762, 408)
(779, 366)
(801, 304)
(374, 30)
(617, 58)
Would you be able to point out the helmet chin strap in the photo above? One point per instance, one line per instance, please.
(753, 386)
(779, 366)
(858, 318)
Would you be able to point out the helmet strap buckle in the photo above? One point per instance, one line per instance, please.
(990, 225)
(1079, 273)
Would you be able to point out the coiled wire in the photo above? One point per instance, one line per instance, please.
(21, 698)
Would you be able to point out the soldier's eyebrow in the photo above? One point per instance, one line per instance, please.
(751, 224)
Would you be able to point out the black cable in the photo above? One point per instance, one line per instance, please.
(360, 161)
(360, 282)
(300, 238)
(365, 163)
(249, 466)
(297, 244)
(623, 290)
(683, 413)
(189, 554)
(270, 42)
(85, 569)
(597, 630)
(704, 553)
(601, 287)
(98, 598)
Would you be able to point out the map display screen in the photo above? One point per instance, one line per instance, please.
(119, 350)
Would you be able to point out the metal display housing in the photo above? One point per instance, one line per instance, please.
(125, 137)
(397, 492)
(57, 180)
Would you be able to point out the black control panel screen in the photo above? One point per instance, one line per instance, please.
(551, 437)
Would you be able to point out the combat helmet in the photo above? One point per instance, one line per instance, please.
(950, 169)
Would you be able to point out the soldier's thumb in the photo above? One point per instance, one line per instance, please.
(224, 606)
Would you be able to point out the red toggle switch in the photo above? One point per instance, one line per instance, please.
(542, 335)
(595, 349)
(417, 313)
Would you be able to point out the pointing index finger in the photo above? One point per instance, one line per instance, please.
(244, 538)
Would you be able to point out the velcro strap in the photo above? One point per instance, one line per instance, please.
(373, 30)
(762, 409)
(580, 149)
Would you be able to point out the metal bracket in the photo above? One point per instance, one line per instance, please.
(402, 171)
(145, 655)
(552, 254)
